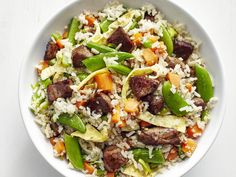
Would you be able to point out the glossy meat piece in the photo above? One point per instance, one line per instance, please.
(113, 158)
(155, 104)
(51, 51)
(159, 136)
(119, 36)
(142, 86)
(59, 89)
(79, 54)
(182, 49)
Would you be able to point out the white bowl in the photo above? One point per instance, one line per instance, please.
(172, 13)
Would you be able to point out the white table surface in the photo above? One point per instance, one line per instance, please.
(19, 22)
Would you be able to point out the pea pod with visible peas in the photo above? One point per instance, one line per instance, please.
(73, 28)
(72, 121)
(100, 48)
(204, 83)
(73, 152)
(157, 156)
(166, 38)
(173, 100)
(121, 69)
(96, 62)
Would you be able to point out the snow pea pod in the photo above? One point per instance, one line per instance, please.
(172, 32)
(166, 38)
(173, 100)
(204, 83)
(72, 121)
(100, 48)
(105, 25)
(73, 152)
(73, 28)
(121, 69)
(157, 156)
(96, 62)
(82, 75)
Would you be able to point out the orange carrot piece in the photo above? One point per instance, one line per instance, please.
(174, 79)
(189, 87)
(149, 56)
(144, 124)
(123, 124)
(59, 44)
(131, 105)
(59, 147)
(104, 81)
(111, 174)
(90, 20)
(137, 38)
(80, 103)
(153, 38)
(189, 147)
(194, 131)
(89, 169)
(172, 154)
(116, 115)
(52, 141)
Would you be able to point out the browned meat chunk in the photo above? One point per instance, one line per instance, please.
(149, 17)
(80, 53)
(174, 61)
(51, 51)
(182, 49)
(199, 102)
(155, 104)
(113, 158)
(101, 103)
(120, 37)
(54, 127)
(59, 89)
(142, 86)
(159, 136)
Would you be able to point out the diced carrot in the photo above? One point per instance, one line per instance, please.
(172, 154)
(189, 87)
(189, 147)
(131, 105)
(59, 147)
(111, 174)
(116, 115)
(194, 131)
(59, 44)
(52, 141)
(80, 103)
(137, 38)
(122, 124)
(174, 79)
(90, 20)
(104, 81)
(42, 65)
(149, 56)
(144, 124)
(65, 35)
(89, 169)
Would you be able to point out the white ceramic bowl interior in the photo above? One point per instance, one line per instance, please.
(173, 13)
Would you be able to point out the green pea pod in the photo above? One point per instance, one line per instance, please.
(204, 83)
(56, 36)
(145, 166)
(72, 121)
(105, 25)
(157, 156)
(147, 43)
(173, 100)
(172, 32)
(121, 69)
(73, 152)
(96, 62)
(134, 25)
(166, 38)
(82, 76)
(73, 28)
(100, 48)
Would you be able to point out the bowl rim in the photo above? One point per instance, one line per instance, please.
(67, 5)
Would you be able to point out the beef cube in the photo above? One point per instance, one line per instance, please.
(119, 36)
(59, 89)
(142, 86)
(79, 54)
(155, 104)
(182, 49)
(51, 51)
